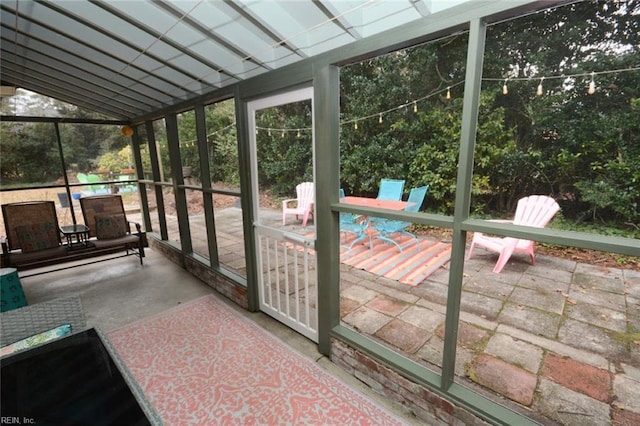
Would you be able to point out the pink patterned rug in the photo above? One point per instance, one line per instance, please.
(202, 363)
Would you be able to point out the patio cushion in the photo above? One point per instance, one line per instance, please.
(36, 339)
(110, 226)
(39, 236)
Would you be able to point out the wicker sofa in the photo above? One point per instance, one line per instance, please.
(33, 237)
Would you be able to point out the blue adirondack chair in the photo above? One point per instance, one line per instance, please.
(352, 224)
(386, 227)
(390, 189)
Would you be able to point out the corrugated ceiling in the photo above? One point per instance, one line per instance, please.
(127, 58)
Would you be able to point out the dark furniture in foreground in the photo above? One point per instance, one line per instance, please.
(74, 380)
(33, 234)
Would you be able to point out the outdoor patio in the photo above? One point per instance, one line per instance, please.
(558, 338)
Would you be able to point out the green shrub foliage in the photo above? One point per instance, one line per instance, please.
(583, 149)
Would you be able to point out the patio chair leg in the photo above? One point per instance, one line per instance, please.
(470, 252)
(416, 239)
(391, 240)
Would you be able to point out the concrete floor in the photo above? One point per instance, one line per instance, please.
(118, 292)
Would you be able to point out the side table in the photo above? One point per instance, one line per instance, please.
(77, 236)
(11, 293)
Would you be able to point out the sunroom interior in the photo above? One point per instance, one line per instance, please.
(192, 89)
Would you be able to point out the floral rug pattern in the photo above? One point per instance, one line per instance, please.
(204, 363)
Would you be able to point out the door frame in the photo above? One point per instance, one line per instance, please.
(296, 243)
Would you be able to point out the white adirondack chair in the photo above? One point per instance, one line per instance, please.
(303, 204)
(536, 211)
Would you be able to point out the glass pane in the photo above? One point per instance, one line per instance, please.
(224, 175)
(30, 155)
(393, 286)
(160, 132)
(230, 233)
(401, 117)
(99, 160)
(561, 123)
(170, 214)
(153, 208)
(223, 145)
(145, 153)
(285, 161)
(189, 148)
(197, 223)
(147, 160)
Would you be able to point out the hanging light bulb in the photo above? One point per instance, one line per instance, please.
(380, 119)
(539, 91)
(592, 85)
(298, 134)
(415, 106)
(505, 91)
(256, 131)
(269, 131)
(448, 93)
(355, 125)
(283, 133)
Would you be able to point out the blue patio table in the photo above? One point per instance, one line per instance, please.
(374, 202)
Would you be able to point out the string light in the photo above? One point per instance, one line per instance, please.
(298, 134)
(591, 90)
(539, 91)
(405, 106)
(592, 85)
(209, 136)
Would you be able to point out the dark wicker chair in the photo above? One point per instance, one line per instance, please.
(107, 222)
(38, 218)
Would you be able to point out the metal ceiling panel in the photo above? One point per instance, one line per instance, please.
(126, 59)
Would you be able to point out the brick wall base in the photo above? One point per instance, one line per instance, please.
(425, 405)
(220, 283)
(167, 251)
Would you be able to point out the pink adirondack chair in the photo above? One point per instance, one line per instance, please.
(303, 204)
(536, 211)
